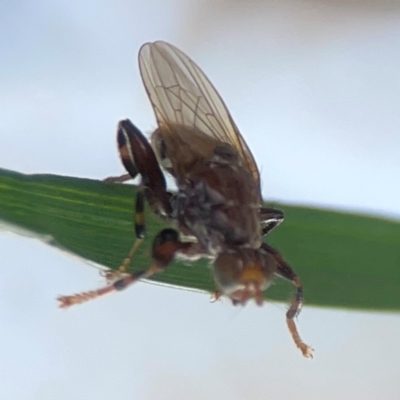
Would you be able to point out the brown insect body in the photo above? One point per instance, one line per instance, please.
(217, 202)
(217, 210)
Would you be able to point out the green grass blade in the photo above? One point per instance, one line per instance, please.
(343, 260)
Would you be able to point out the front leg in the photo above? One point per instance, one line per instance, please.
(140, 231)
(165, 246)
(138, 157)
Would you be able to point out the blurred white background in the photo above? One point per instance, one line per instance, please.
(314, 87)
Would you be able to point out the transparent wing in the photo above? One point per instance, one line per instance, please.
(181, 94)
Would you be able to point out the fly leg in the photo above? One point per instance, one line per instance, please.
(138, 157)
(285, 271)
(140, 230)
(270, 218)
(165, 245)
(118, 179)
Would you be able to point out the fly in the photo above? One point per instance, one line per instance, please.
(217, 211)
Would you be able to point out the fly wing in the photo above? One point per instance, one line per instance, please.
(182, 95)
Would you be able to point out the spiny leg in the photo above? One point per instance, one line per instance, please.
(291, 314)
(67, 301)
(138, 157)
(140, 231)
(285, 271)
(165, 245)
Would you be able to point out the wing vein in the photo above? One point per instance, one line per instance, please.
(181, 94)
